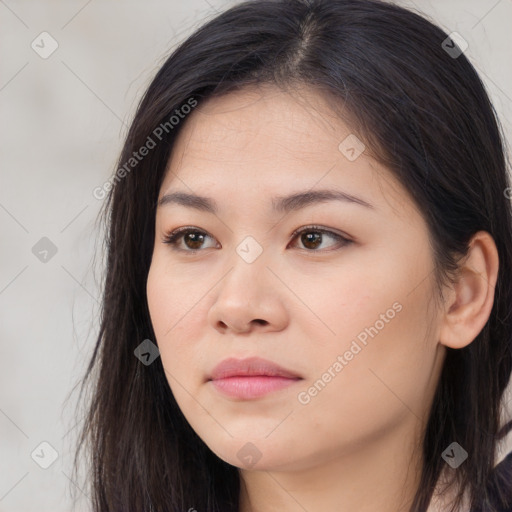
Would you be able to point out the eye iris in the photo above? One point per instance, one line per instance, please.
(308, 238)
(195, 238)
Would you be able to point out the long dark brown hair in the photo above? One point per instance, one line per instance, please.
(422, 111)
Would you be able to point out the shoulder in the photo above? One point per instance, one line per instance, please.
(499, 489)
(499, 492)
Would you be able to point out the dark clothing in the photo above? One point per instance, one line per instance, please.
(500, 488)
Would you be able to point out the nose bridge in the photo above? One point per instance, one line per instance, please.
(248, 265)
(244, 294)
(250, 250)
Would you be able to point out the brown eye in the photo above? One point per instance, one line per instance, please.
(193, 239)
(312, 238)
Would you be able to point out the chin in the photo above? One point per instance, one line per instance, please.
(253, 453)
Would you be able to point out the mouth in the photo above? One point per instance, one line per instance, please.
(251, 378)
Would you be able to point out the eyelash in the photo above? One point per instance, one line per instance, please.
(173, 237)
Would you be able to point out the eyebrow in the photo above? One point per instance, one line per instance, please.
(281, 204)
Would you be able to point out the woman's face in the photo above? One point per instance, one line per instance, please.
(349, 319)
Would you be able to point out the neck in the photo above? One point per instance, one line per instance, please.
(383, 474)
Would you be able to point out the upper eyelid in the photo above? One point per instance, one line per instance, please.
(322, 229)
(295, 232)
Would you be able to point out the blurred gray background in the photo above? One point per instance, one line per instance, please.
(71, 74)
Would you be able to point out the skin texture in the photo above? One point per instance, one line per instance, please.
(355, 444)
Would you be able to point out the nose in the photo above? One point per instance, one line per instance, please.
(248, 298)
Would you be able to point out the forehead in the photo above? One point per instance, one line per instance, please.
(299, 123)
(264, 138)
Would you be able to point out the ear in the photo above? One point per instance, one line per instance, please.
(469, 301)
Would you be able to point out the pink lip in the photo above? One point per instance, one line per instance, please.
(250, 378)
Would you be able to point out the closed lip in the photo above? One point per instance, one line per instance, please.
(252, 366)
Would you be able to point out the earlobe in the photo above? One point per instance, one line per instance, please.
(471, 298)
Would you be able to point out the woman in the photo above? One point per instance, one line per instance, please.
(309, 279)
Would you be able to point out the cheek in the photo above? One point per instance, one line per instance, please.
(161, 302)
(377, 385)
(379, 325)
(176, 305)
(172, 297)
(165, 309)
